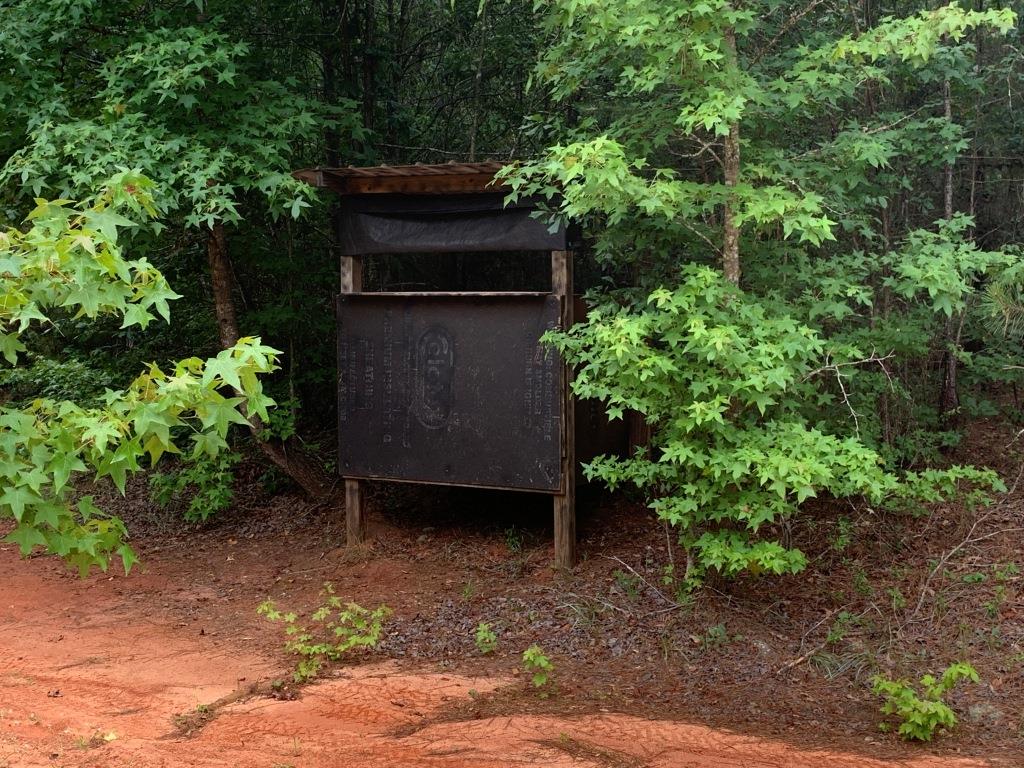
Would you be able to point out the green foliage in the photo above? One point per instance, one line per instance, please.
(729, 389)
(68, 260)
(336, 629)
(41, 376)
(217, 108)
(921, 712)
(485, 638)
(538, 666)
(186, 105)
(678, 88)
(710, 372)
(897, 599)
(281, 424)
(513, 540)
(627, 583)
(714, 637)
(841, 627)
(1003, 302)
(1004, 573)
(843, 535)
(206, 480)
(861, 585)
(661, 98)
(993, 606)
(943, 264)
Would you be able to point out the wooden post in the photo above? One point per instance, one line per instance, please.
(351, 274)
(639, 433)
(565, 502)
(355, 523)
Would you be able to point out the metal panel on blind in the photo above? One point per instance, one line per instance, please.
(450, 388)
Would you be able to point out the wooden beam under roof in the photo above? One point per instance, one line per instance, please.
(446, 178)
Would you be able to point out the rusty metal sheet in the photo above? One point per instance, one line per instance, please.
(448, 388)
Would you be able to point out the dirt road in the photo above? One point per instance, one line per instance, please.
(93, 673)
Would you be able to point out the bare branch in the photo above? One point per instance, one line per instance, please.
(968, 540)
(836, 369)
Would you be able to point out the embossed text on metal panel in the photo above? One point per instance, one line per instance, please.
(450, 388)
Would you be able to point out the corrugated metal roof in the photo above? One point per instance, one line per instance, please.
(441, 178)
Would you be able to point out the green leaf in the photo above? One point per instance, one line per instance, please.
(27, 538)
(18, 498)
(224, 367)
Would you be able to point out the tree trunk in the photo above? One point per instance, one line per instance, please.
(222, 279)
(947, 192)
(731, 172)
(369, 74)
(477, 83)
(289, 455)
(949, 396)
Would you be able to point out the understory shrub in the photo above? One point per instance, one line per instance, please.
(921, 714)
(68, 258)
(538, 666)
(42, 376)
(336, 628)
(207, 481)
(485, 638)
(731, 391)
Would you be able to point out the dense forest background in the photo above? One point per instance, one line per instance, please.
(855, 168)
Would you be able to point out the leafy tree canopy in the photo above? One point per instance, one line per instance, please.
(68, 259)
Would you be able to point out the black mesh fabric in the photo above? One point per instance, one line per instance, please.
(452, 223)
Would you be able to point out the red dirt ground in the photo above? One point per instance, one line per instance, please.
(94, 672)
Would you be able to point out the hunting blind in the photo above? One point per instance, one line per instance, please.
(452, 388)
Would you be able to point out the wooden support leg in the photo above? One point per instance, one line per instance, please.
(355, 522)
(565, 527)
(565, 502)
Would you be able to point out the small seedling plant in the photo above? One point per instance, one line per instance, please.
(207, 480)
(537, 664)
(921, 714)
(335, 629)
(714, 637)
(485, 638)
